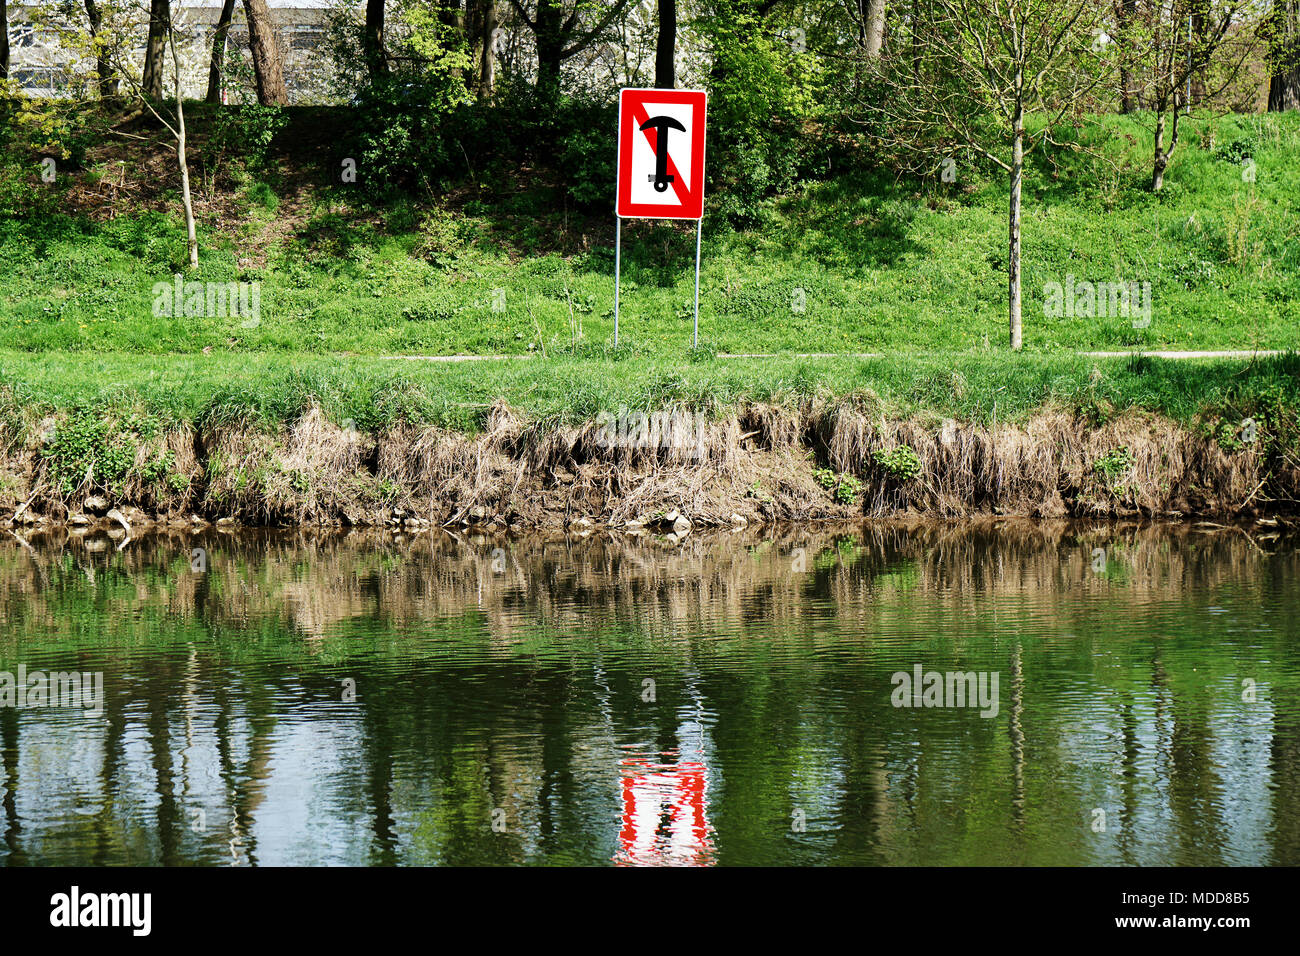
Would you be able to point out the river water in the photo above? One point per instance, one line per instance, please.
(1129, 694)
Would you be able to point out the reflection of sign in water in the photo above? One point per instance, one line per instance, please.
(664, 818)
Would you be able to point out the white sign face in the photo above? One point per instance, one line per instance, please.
(661, 154)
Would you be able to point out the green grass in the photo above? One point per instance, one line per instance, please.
(372, 392)
(858, 263)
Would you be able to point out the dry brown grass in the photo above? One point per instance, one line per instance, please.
(758, 463)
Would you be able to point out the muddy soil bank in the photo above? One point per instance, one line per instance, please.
(670, 473)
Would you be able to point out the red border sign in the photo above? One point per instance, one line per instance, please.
(685, 198)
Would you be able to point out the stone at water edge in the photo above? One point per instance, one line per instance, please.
(120, 519)
(682, 525)
(95, 504)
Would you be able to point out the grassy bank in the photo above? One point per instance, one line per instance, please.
(273, 389)
(289, 439)
(502, 260)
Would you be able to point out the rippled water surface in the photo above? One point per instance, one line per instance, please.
(371, 699)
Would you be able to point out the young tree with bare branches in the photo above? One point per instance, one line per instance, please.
(971, 75)
(1183, 44)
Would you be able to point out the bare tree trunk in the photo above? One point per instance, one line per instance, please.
(487, 59)
(376, 58)
(1013, 225)
(186, 199)
(4, 39)
(874, 28)
(1284, 91)
(666, 46)
(160, 17)
(1160, 160)
(218, 60)
(267, 70)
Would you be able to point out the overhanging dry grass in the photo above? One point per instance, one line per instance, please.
(758, 463)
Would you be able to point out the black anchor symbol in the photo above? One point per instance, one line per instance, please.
(661, 125)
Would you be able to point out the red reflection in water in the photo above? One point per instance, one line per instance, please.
(664, 815)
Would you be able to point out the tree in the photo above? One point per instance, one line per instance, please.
(558, 34)
(114, 46)
(104, 69)
(1125, 14)
(267, 71)
(972, 76)
(4, 39)
(873, 27)
(484, 20)
(666, 46)
(217, 61)
(376, 58)
(1179, 56)
(155, 47)
(1282, 31)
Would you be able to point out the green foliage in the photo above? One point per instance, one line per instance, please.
(901, 463)
(45, 126)
(765, 88)
(1238, 149)
(585, 153)
(92, 447)
(1113, 465)
(846, 489)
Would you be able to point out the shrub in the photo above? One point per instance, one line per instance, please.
(901, 463)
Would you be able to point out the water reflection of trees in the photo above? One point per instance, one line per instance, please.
(503, 680)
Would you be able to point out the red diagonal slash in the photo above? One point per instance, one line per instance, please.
(641, 117)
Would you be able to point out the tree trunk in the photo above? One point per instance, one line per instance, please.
(550, 47)
(1284, 51)
(452, 15)
(267, 70)
(874, 28)
(487, 59)
(1160, 159)
(376, 58)
(1124, 14)
(1284, 91)
(160, 16)
(4, 39)
(218, 60)
(1013, 225)
(187, 200)
(103, 66)
(666, 46)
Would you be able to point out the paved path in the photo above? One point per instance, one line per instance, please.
(1226, 354)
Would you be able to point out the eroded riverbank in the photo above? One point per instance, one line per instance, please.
(668, 471)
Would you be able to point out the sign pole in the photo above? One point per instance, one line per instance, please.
(699, 233)
(618, 256)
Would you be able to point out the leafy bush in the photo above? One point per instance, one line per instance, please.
(846, 489)
(584, 153)
(1238, 149)
(91, 447)
(901, 463)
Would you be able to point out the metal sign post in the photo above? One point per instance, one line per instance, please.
(618, 256)
(699, 232)
(660, 169)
